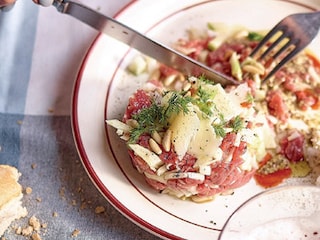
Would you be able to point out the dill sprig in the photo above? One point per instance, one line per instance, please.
(176, 103)
(155, 117)
(237, 124)
(219, 128)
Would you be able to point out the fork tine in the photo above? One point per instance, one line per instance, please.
(266, 38)
(283, 61)
(291, 42)
(274, 44)
(263, 41)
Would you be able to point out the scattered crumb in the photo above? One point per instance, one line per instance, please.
(35, 236)
(33, 165)
(27, 231)
(50, 110)
(19, 230)
(83, 205)
(100, 209)
(73, 202)
(28, 190)
(55, 214)
(75, 233)
(19, 122)
(32, 231)
(35, 223)
(62, 192)
(38, 199)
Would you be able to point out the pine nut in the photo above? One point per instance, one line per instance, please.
(132, 123)
(154, 146)
(169, 80)
(253, 69)
(155, 75)
(166, 141)
(186, 86)
(202, 199)
(156, 136)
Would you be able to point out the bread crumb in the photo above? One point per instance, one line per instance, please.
(83, 205)
(35, 223)
(100, 209)
(28, 190)
(75, 233)
(62, 192)
(73, 202)
(19, 230)
(55, 214)
(44, 225)
(39, 199)
(27, 231)
(33, 165)
(35, 236)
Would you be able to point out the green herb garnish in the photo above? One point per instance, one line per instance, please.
(237, 124)
(176, 103)
(249, 98)
(155, 117)
(254, 36)
(219, 129)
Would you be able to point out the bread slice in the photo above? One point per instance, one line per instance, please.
(10, 197)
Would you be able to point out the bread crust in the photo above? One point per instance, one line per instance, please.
(10, 197)
(9, 186)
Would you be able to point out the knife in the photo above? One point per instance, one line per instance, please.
(134, 39)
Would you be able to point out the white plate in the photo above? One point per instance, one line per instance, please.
(102, 90)
(283, 211)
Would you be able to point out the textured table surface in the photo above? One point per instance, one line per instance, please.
(40, 52)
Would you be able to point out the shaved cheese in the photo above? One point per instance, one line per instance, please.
(250, 162)
(205, 170)
(161, 170)
(179, 175)
(205, 144)
(155, 177)
(148, 156)
(223, 104)
(119, 125)
(184, 127)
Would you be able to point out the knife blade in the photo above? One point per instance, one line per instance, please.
(139, 41)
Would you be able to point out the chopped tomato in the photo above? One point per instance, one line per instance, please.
(306, 98)
(167, 71)
(277, 106)
(246, 104)
(272, 179)
(292, 149)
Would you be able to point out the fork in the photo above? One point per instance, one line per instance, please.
(298, 29)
